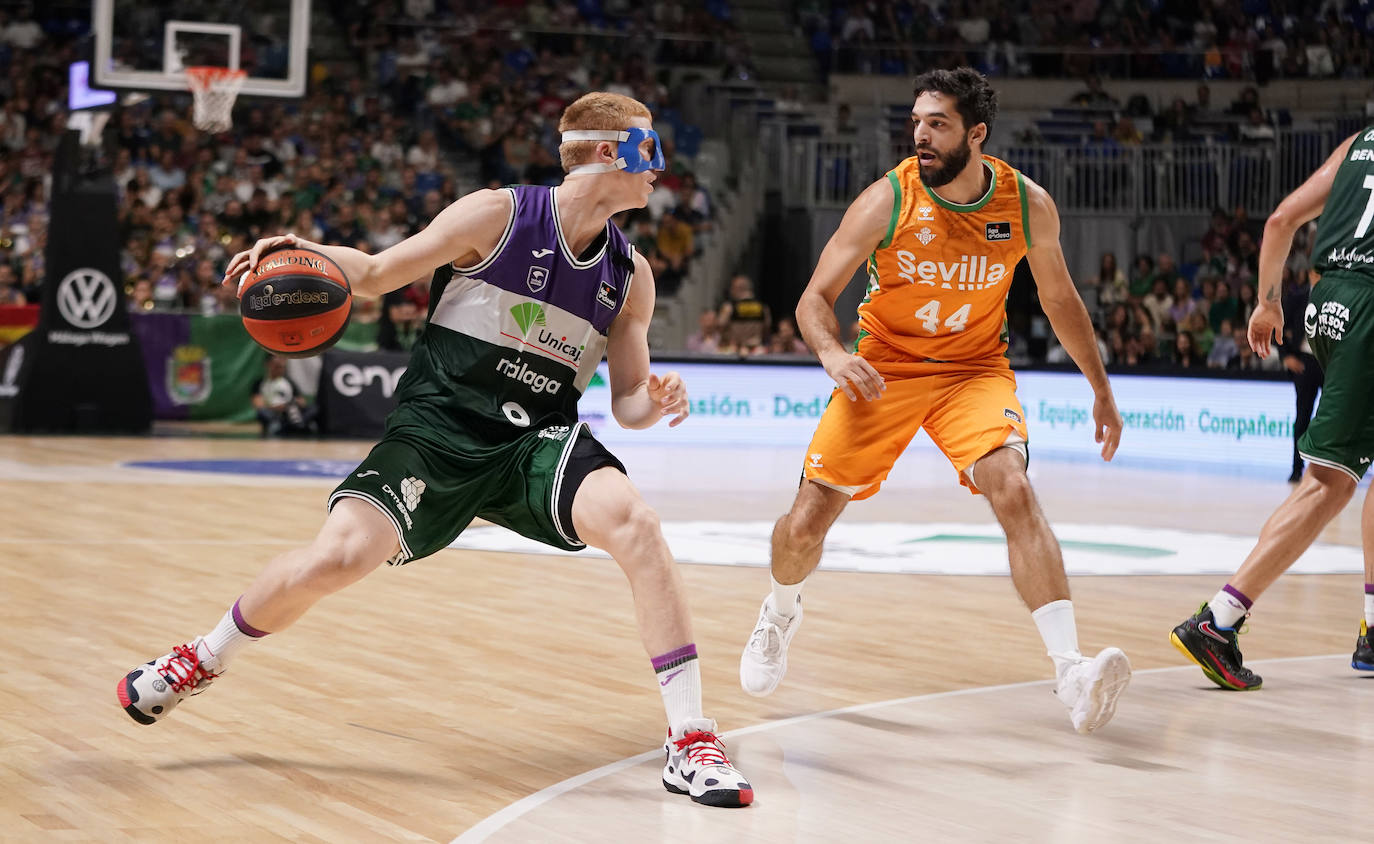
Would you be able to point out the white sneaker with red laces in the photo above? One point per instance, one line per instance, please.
(696, 765)
(150, 691)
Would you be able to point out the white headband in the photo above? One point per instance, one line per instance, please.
(596, 135)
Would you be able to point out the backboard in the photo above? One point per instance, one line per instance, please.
(146, 44)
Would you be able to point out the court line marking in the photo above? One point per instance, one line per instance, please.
(492, 824)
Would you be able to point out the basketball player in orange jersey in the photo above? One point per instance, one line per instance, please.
(941, 233)
(486, 422)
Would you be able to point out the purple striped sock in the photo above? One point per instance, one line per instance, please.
(672, 659)
(244, 627)
(1240, 596)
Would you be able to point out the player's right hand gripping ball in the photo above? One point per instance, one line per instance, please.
(295, 302)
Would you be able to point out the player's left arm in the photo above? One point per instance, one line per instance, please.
(640, 398)
(1067, 314)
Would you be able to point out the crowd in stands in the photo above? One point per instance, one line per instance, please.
(444, 110)
(1159, 313)
(744, 326)
(1098, 134)
(1223, 39)
(449, 108)
(1156, 314)
(1115, 124)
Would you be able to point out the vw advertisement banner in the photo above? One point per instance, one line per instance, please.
(85, 372)
(1170, 422)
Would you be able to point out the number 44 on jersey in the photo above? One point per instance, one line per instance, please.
(929, 315)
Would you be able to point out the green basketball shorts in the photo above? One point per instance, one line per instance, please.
(431, 494)
(1340, 326)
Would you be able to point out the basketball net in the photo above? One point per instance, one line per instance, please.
(214, 90)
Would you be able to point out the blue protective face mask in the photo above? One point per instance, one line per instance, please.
(629, 158)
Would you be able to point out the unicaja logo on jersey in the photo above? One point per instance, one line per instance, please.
(527, 315)
(552, 341)
(522, 373)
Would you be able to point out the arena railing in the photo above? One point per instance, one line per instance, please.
(825, 171)
(668, 48)
(732, 164)
(1002, 59)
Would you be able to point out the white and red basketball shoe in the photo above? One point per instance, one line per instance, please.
(153, 689)
(695, 764)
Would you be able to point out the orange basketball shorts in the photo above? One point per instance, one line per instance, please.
(966, 414)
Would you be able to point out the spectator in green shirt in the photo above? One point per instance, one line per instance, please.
(1225, 306)
(1164, 269)
(1142, 275)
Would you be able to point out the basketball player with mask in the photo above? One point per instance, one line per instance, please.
(532, 285)
(941, 234)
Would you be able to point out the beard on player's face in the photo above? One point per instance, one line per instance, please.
(946, 165)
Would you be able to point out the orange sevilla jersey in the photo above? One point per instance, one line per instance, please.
(937, 284)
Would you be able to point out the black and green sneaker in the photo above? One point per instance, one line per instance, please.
(1215, 651)
(1363, 659)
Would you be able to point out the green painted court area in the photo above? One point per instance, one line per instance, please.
(1135, 551)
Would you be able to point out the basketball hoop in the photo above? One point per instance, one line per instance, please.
(214, 90)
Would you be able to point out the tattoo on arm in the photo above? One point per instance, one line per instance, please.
(1272, 295)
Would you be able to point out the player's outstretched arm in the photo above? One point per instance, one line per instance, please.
(1296, 209)
(1067, 314)
(463, 233)
(640, 398)
(864, 226)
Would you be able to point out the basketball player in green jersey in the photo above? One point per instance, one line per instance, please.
(1339, 444)
(486, 422)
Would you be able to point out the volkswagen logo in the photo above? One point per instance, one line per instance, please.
(86, 298)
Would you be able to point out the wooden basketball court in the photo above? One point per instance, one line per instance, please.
(505, 697)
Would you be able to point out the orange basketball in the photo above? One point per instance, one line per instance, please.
(296, 302)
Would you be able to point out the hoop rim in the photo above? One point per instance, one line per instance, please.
(206, 75)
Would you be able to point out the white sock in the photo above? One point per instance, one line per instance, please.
(1060, 634)
(679, 681)
(228, 637)
(785, 597)
(1227, 609)
(1369, 610)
